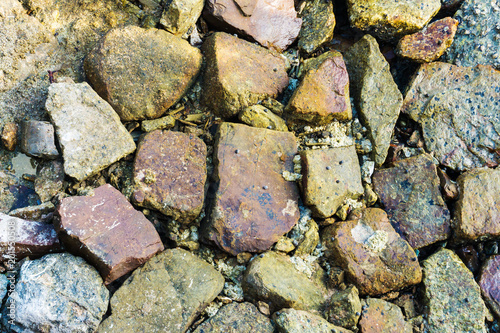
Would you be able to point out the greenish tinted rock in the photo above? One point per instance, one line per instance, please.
(260, 116)
(381, 316)
(166, 122)
(273, 105)
(344, 308)
(180, 15)
(311, 240)
(318, 22)
(284, 244)
(298, 321)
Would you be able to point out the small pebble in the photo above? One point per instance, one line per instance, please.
(337, 181)
(341, 162)
(328, 168)
(265, 187)
(237, 151)
(269, 127)
(358, 314)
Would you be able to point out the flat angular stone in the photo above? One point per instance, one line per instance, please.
(107, 231)
(260, 116)
(411, 196)
(180, 15)
(38, 140)
(231, 83)
(318, 22)
(170, 173)
(344, 308)
(9, 136)
(382, 316)
(40, 213)
(254, 204)
(329, 176)
(299, 321)
(49, 180)
(375, 258)
(489, 283)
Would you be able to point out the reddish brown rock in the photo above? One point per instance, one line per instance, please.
(107, 231)
(258, 19)
(381, 316)
(170, 173)
(254, 204)
(38, 139)
(430, 43)
(9, 136)
(239, 74)
(375, 258)
(410, 193)
(489, 282)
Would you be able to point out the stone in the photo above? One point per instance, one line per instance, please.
(299, 321)
(375, 93)
(310, 241)
(106, 230)
(449, 187)
(382, 316)
(284, 244)
(411, 196)
(164, 295)
(390, 20)
(180, 15)
(329, 176)
(40, 213)
(489, 283)
(162, 123)
(458, 110)
(260, 116)
(49, 180)
(452, 298)
(37, 139)
(276, 107)
(469, 256)
(323, 94)
(375, 258)
(237, 317)
(249, 166)
(88, 129)
(4, 284)
(57, 293)
(430, 43)
(170, 173)
(8, 184)
(9, 136)
(142, 72)
(252, 19)
(344, 308)
(318, 22)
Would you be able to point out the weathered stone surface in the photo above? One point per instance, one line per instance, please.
(430, 43)
(40, 213)
(166, 122)
(299, 321)
(180, 15)
(459, 111)
(9, 136)
(254, 204)
(4, 283)
(323, 93)
(344, 308)
(489, 282)
(411, 196)
(49, 180)
(142, 72)
(381, 316)
(318, 22)
(310, 241)
(237, 317)
(375, 93)
(107, 231)
(8, 183)
(165, 295)
(452, 298)
(89, 131)
(170, 173)
(257, 19)
(231, 84)
(389, 19)
(376, 259)
(57, 293)
(38, 140)
(260, 116)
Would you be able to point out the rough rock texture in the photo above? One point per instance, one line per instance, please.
(231, 84)
(452, 298)
(458, 110)
(38, 139)
(257, 19)
(411, 196)
(4, 283)
(372, 254)
(477, 214)
(180, 15)
(329, 176)
(430, 43)
(344, 308)
(254, 204)
(237, 317)
(89, 131)
(58, 293)
(318, 22)
(40, 213)
(165, 295)
(49, 180)
(166, 122)
(170, 173)
(107, 231)
(260, 116)
(299, 321)
(489, 282)
(381, 316)
(9, 136)
(389, 19)
(8, 184)
(375, 93)
(142, 72)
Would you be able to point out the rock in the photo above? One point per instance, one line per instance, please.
(165, 295)
(107, 231)
(372, 254)
(449, 188)
(8, 183)
(452, 298)
(299, 321)
(37, 139)
(311, 240)
(4, 284)
(375, 93)
(170, 173)
(344, 308)
(166, 122)
(410, 194)
(252, 19)
(57, 293)
(142, 72)
(260, 116)
(382, 316)
(477, 213)
(469, 256)
(458, 110)
(49, 180)
(249, 166)
(430, 43)
(230, 84)
(237, 317)
(390, 20)
(273, 105)
(180, 15)
(323, 94)
(329, 177)
(85, 124)
(284, 244)
(318, 22)
(40, 213)
(488, 281)
(9, 136)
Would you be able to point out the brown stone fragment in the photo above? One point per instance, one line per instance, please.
(449, 188)
(38, 139)
(107, 231)
(9, 136)
(489, 282)
(381, 316)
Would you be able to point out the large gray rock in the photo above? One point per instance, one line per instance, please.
(299, 321)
